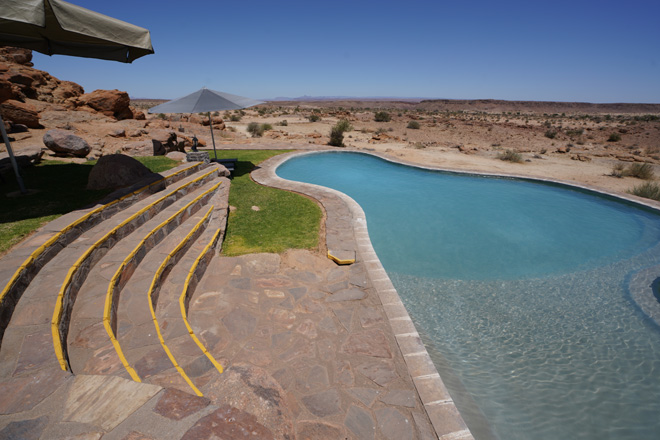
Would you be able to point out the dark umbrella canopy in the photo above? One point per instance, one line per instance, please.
(207, 101)
(58, 27)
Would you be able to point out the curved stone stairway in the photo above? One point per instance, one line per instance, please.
(78, 302)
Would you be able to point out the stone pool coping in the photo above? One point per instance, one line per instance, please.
(346, 233)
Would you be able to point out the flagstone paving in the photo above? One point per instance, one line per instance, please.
(290, 346)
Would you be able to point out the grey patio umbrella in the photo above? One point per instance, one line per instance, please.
(205, 101)
(57, 27)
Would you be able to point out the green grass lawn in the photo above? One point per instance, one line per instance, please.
(60, 189)
(284, 220)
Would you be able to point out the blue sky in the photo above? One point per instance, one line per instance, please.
(592, 51)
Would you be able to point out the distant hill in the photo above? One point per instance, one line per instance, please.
(481, 105)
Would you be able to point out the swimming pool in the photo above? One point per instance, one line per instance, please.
(520, 292)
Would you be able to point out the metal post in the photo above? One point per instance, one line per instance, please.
(212, 137)
(21, 186)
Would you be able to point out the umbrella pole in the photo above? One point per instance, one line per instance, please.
(212, 138)
(12, 159)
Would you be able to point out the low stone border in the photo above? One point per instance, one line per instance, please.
(346, 228)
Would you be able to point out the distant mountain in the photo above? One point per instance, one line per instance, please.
(346, 98)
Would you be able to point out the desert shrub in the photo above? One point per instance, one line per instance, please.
(344, 125)
(283, 123)
(413, 125)
(380, 130)
(618, 170)
(550, 134)
(161, 116)
(511, 156)
(314, 118)
(255, 129)
(235, 117)
(382, 117)
(336, 137)
(266, 127)
(641, 171)
(614, 137)
(337, 132)
(575, 133)
(649, 190)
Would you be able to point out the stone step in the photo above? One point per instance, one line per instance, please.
(137, 335)
(34, 313)
(19, 268)
(96, 306)
(196, 366)
(32, 316)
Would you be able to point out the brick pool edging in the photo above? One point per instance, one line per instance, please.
(346, 229)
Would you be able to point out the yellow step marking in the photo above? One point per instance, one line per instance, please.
(59, 304)
(107, 312)
(182, 304)
(151, 307)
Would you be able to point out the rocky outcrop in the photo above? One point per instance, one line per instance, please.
(66, 143)
(19, 81)
(20, 113)
(138, 148)
(16, 55)
(218, 122)
(116, 171)
(164, 142)
(112, 103)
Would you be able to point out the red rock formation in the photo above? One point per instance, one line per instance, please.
(20, 113)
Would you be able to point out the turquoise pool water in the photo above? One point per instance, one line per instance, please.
(520, 292)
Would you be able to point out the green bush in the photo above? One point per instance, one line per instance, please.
(255, 129)
(382, 117)
(614, 137)
(314, 118)
(550, 134)
(413, 125)
(344, 125)
(235, 117)
(283, 123)
(266, 126)
(337, 133)
(511, 156)
(336, 137)
(649, 190)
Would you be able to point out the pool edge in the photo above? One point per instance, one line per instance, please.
(438, 404)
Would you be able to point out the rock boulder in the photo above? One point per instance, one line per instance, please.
(112, 103)
(66, 143)
(165, 141)
(116, 171)
(20, 113)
